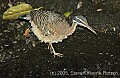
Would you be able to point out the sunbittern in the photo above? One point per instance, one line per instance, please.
(50, 27)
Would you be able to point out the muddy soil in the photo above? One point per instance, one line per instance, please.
(85, 55)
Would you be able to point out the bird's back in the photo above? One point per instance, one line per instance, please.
(49, 26)
(49, 22)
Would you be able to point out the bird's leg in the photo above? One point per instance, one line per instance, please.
(50, 46)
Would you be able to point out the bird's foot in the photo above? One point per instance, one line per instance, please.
(53, 51)
(57, 54)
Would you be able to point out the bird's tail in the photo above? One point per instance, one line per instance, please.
(25, 17)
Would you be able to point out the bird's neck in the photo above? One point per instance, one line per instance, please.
(72, 29)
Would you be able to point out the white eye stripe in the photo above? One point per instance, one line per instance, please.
(78, 23)
(84, 25)
(81, 20)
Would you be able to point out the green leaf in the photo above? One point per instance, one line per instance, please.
(67, 14)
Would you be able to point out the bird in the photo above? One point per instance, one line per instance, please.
(51, 27)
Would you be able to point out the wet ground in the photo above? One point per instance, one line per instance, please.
(85, 55)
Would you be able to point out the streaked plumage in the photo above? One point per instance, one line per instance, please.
(50, 27)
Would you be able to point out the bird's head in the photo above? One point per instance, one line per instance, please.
(80, 20)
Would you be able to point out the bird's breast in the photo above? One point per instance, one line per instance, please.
(49, 26)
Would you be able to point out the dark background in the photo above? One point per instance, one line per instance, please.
(83, 51)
